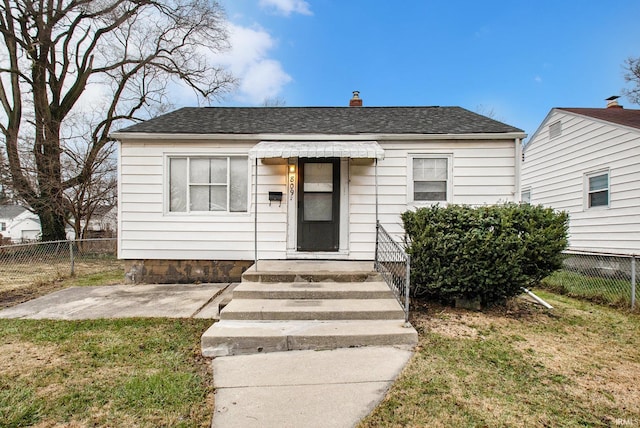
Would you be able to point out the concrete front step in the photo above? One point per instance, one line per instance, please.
(313, 290)
(230, 337)
(310, 271)
(312, 309)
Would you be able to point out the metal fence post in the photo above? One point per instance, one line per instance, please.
(407, 289)
(72, 258)
(633, 282)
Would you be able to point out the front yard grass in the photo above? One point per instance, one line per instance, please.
(575, 366)
(520, 366)
(129, 372)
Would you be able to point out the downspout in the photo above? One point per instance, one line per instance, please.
(517, 197)
(255, 220)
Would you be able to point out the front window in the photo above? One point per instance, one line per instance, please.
(430, 178)
(598, 189)
(204, 184)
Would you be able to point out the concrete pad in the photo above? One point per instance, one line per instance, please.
(334, 388)
(118, 301)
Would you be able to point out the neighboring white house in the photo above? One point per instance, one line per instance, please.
(187, 182)
(586, 161)
(18, 224)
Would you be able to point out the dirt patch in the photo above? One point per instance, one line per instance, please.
(16, 296)
(21, 359)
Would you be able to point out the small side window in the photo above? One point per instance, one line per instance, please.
(597, 189)
(525, 196)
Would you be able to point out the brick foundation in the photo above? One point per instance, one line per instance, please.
(184, 271)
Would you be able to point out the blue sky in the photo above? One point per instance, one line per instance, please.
(516, 59)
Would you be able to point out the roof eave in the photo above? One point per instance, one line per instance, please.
(316, 137)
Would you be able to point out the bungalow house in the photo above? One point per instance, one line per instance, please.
(204, 192)
(17, 224)
(586, 161)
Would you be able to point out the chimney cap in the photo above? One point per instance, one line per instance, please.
(355, 101)
(612, 102)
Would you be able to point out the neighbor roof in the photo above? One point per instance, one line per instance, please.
(620, 116)
(11, 211)
(321, 120)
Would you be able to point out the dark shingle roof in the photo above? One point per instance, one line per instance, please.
(621, 116)
(321, 120)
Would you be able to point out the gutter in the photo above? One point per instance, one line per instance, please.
(315, 137)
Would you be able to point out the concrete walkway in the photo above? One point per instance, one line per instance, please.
(334, 388)
(121, 301)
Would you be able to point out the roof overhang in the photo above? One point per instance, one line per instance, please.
(317, 149)
(315, 137)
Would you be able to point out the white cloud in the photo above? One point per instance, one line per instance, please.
(260, 76)
(287, 7)
(263, 80)
(537, 79)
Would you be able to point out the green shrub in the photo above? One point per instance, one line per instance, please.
(488, 252)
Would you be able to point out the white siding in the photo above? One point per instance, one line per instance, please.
(148, 231)
(555, 171)
(483, 173)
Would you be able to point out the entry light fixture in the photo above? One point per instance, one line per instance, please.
(292, 168)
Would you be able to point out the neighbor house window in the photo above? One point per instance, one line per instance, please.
(3, 226)
(204, 184)
(525, 196)
(555, 129)
(431, 178)
(597, 192)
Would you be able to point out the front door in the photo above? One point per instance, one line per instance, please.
(319, 204)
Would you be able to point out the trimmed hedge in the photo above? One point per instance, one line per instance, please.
(487, 252)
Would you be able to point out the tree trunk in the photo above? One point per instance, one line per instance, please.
(52, 224)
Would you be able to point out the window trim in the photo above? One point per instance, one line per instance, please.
(587, 192)
(199, 155)
(410, 181)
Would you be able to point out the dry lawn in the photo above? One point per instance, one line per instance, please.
(520, 366)
(104, 373)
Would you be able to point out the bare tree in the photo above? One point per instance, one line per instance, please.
(90, 196)
(54, 50)
(632, 75)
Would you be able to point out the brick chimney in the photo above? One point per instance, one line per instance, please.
(356, 101)
(612, 102)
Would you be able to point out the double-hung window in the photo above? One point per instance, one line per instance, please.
(204, 184)
(431, 178)
(597, 189)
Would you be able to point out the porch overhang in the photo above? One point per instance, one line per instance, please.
(317, 149)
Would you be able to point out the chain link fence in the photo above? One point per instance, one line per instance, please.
(601, 277)
(23, 265)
